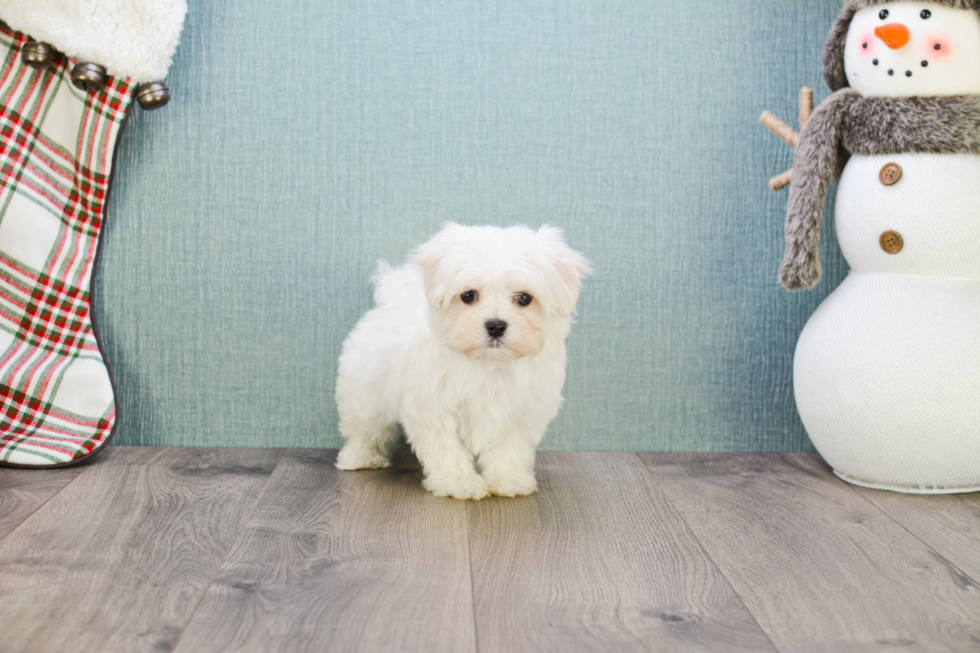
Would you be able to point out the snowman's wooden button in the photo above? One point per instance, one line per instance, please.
(891, 242)
(890, 174)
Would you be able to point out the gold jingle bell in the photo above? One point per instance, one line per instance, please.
(88, 76)
(152, 95)
(37, 55)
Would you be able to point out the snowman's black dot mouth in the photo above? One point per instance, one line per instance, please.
(864, 45)
(891, 72)
(908, 73)
(938, 47)
(925, 64)
(875, 62)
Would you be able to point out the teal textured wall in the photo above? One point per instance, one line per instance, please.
(307, 139)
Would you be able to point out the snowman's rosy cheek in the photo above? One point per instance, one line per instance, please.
(866, 44)
(937, 49)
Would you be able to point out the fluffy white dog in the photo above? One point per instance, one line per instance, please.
(466, 350)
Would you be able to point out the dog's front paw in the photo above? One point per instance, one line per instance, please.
(353, 457)
(471, 486)
(517, 484)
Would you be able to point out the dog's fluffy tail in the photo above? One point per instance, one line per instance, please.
(383, 291)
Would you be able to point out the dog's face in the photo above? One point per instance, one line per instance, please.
(498, 294)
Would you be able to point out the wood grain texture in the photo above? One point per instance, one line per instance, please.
(119, 559)
(598, 560)
(949, 524)
(22, 491)
(819, 568)
(127, 455)
(346, 561)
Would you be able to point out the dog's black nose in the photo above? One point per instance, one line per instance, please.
(496, 328)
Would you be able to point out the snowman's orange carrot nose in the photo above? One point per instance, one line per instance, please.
(895, 35)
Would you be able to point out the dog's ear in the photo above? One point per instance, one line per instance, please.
(430, 256)
(569, 268)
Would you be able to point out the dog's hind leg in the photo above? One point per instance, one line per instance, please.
(367, 445)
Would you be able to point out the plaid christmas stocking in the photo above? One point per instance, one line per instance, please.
(57, 142)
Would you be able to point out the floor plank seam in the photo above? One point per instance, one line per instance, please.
(42, 504)
(707, 553)
(906, 529)
(224, 559)
(469, 558)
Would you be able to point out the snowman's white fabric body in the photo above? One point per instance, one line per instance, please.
(887, 371)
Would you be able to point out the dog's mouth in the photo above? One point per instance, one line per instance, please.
(491, 348)
(495, 350)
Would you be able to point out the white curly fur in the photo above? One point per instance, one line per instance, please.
(130, 38)
(473, 408)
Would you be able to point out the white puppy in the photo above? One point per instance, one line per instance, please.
(466, 350)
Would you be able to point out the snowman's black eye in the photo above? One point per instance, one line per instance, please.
(883, 14)
(468, 297)
(926, 14)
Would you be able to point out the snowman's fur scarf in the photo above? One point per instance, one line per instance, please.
(833, 52)
(848, 123)
(473, 408)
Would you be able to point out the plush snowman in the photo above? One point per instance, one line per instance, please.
(887, 371)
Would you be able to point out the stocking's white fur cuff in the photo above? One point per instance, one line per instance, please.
(130, 38)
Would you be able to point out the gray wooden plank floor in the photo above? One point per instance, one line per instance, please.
(361, 561)
(22, 491)
(148, 549)
(598, 560)
(949, 524)
(118, 560)
(819, 567)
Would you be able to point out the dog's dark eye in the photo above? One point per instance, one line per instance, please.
(883, 14)
(926, 14)
(523, 299)
(468, 297)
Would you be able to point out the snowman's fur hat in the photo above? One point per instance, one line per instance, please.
(833, 52)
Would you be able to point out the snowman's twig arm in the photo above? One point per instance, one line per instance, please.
(806, 105)
(780, 128)
(782, 180)
(814, 163)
